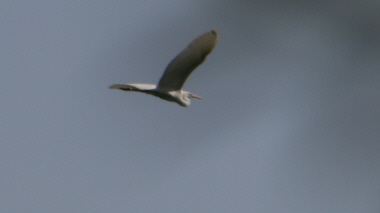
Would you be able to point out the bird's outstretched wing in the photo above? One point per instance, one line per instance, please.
(183, 64)
(134, 87)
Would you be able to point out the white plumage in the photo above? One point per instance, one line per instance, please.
(170, 85)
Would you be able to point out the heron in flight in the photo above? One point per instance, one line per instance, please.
(170, 85)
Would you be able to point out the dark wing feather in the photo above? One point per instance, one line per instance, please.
(145, 88)
(124, 87)
(183, 64)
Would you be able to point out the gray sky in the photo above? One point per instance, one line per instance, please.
(289, 121)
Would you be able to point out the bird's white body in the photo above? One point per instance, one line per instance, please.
(180, 97)
(170, 85)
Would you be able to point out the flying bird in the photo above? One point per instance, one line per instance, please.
(170, 85)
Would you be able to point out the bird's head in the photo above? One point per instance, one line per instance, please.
(184, 99)
(194, 96)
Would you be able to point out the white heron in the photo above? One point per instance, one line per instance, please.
(170, 85)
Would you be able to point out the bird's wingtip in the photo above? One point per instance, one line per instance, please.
(215, 31)
(114, 86)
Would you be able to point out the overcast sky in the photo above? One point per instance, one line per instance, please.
(289, 121)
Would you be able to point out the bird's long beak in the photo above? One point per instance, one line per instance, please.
(195, 96)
